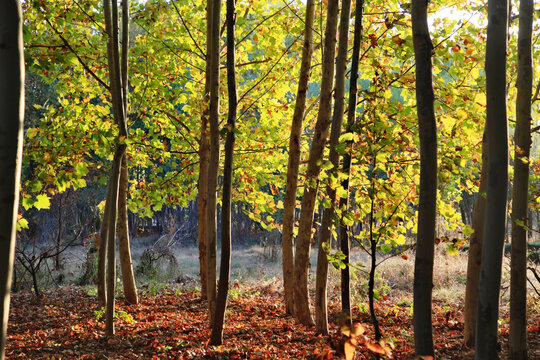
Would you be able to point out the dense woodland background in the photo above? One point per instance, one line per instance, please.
(299, 135)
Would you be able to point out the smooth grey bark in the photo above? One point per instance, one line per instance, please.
(346, 165)
(325, 235)
(423, 265)
(495, 217)
(11, 144)
(213, 165)
(520, 190)
(302, 310)
(216, 338)
(474, 259)
(289, 204)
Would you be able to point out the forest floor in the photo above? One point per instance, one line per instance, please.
(171, 323)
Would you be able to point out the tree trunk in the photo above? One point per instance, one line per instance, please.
(325, 235)
(423, 266)
(213, 166)
(119, 104)
(204, 154)
(216, 337)
(102, 254)
(303, 243)
(128, 278)
(11, 144)
(346, 167)
(497, 187)
(289, 205)
(114, 181)
(522, 140)
(474, 259)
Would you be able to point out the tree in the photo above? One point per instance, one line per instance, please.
(474, 260)
(213, 165)
(204, 154)
(303, 243)
(216, 338)
(495, 217)
(11, 144)
(325, 235)
(423, 266)
(346, 165)
(289, 205)
(119, 102)
(520, 189)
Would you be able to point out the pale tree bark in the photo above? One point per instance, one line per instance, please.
(11, 144)
(119, 107)
(289, 204)
(423, 265)
(497, 187)
(126, 264)
(204, 155)
(346, 165)
(325, 235)
(474, 260)
(213, 165)
(520, 192)
(216, 338)
(302, 310)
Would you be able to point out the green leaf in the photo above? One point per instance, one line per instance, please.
(22, 223)
(452, 250)
(42, 202)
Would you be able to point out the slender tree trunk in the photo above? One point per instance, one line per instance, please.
(325, 236)
(213, 166)
(128, 278)
(11, 144)
(522, 140)
(119, 104)
(423, 266)
(497, 188)
(204, 154)
(474, 259)
(289, 205)
(114, 181)
(303, 243)
(216, 337)
(102, 253)
(373, 266)
(126, 264)
(346, 167)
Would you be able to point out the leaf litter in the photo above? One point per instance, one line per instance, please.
(172, 324)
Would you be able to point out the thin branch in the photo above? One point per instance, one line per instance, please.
(81, 61)
(176, 173)
(267, 73)
(202, 54)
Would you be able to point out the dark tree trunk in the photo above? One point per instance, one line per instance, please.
(522, 140)
(346, 167)
(497, 186)
(423, 266)
(213, 165)
(216, 337)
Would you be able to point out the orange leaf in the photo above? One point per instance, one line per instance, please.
(349, 349)
(376, 348)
